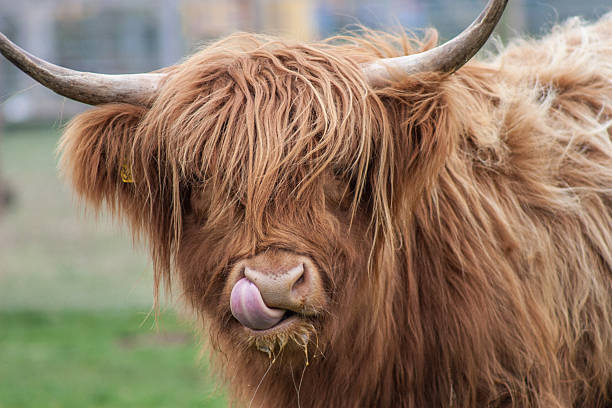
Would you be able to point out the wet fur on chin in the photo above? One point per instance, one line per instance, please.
(477, 267)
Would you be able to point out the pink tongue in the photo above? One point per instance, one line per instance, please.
(249, 308)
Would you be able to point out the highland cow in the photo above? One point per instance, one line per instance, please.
(367, 221)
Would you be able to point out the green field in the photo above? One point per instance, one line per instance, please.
(75, 302)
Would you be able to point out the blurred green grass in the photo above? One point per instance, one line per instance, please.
(99, 359)
(52, 254)
(74, 301)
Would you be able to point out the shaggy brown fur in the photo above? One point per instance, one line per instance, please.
(463, 223)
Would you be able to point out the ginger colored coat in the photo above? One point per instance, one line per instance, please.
(463, 222)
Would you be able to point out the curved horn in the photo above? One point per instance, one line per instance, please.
(86, 87)
(448, 57)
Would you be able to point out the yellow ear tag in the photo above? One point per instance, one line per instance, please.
(126, 173)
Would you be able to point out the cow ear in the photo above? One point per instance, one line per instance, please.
(112, 161)
(420, 120)
(98, 156)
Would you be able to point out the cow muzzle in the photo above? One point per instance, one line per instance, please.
(274, 286)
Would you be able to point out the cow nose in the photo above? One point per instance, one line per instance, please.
(264, 289)
(284, 290)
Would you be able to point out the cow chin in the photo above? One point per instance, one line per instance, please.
(294, 341)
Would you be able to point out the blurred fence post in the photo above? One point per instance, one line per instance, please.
(5, 193)
(249, 14)
(2, 201)
(36, 33)
(514, 20)
(171, 44)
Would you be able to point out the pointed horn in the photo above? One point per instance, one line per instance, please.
(86, 87)
(446, 58)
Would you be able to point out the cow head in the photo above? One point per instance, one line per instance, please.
(266, 175)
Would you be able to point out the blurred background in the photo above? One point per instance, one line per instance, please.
(76, 327)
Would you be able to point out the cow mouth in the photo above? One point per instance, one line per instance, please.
(293, 336)
(269, 330)
(289, 320)
(249, 308)
(251, 311)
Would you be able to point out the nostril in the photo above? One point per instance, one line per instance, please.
(299, 278)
